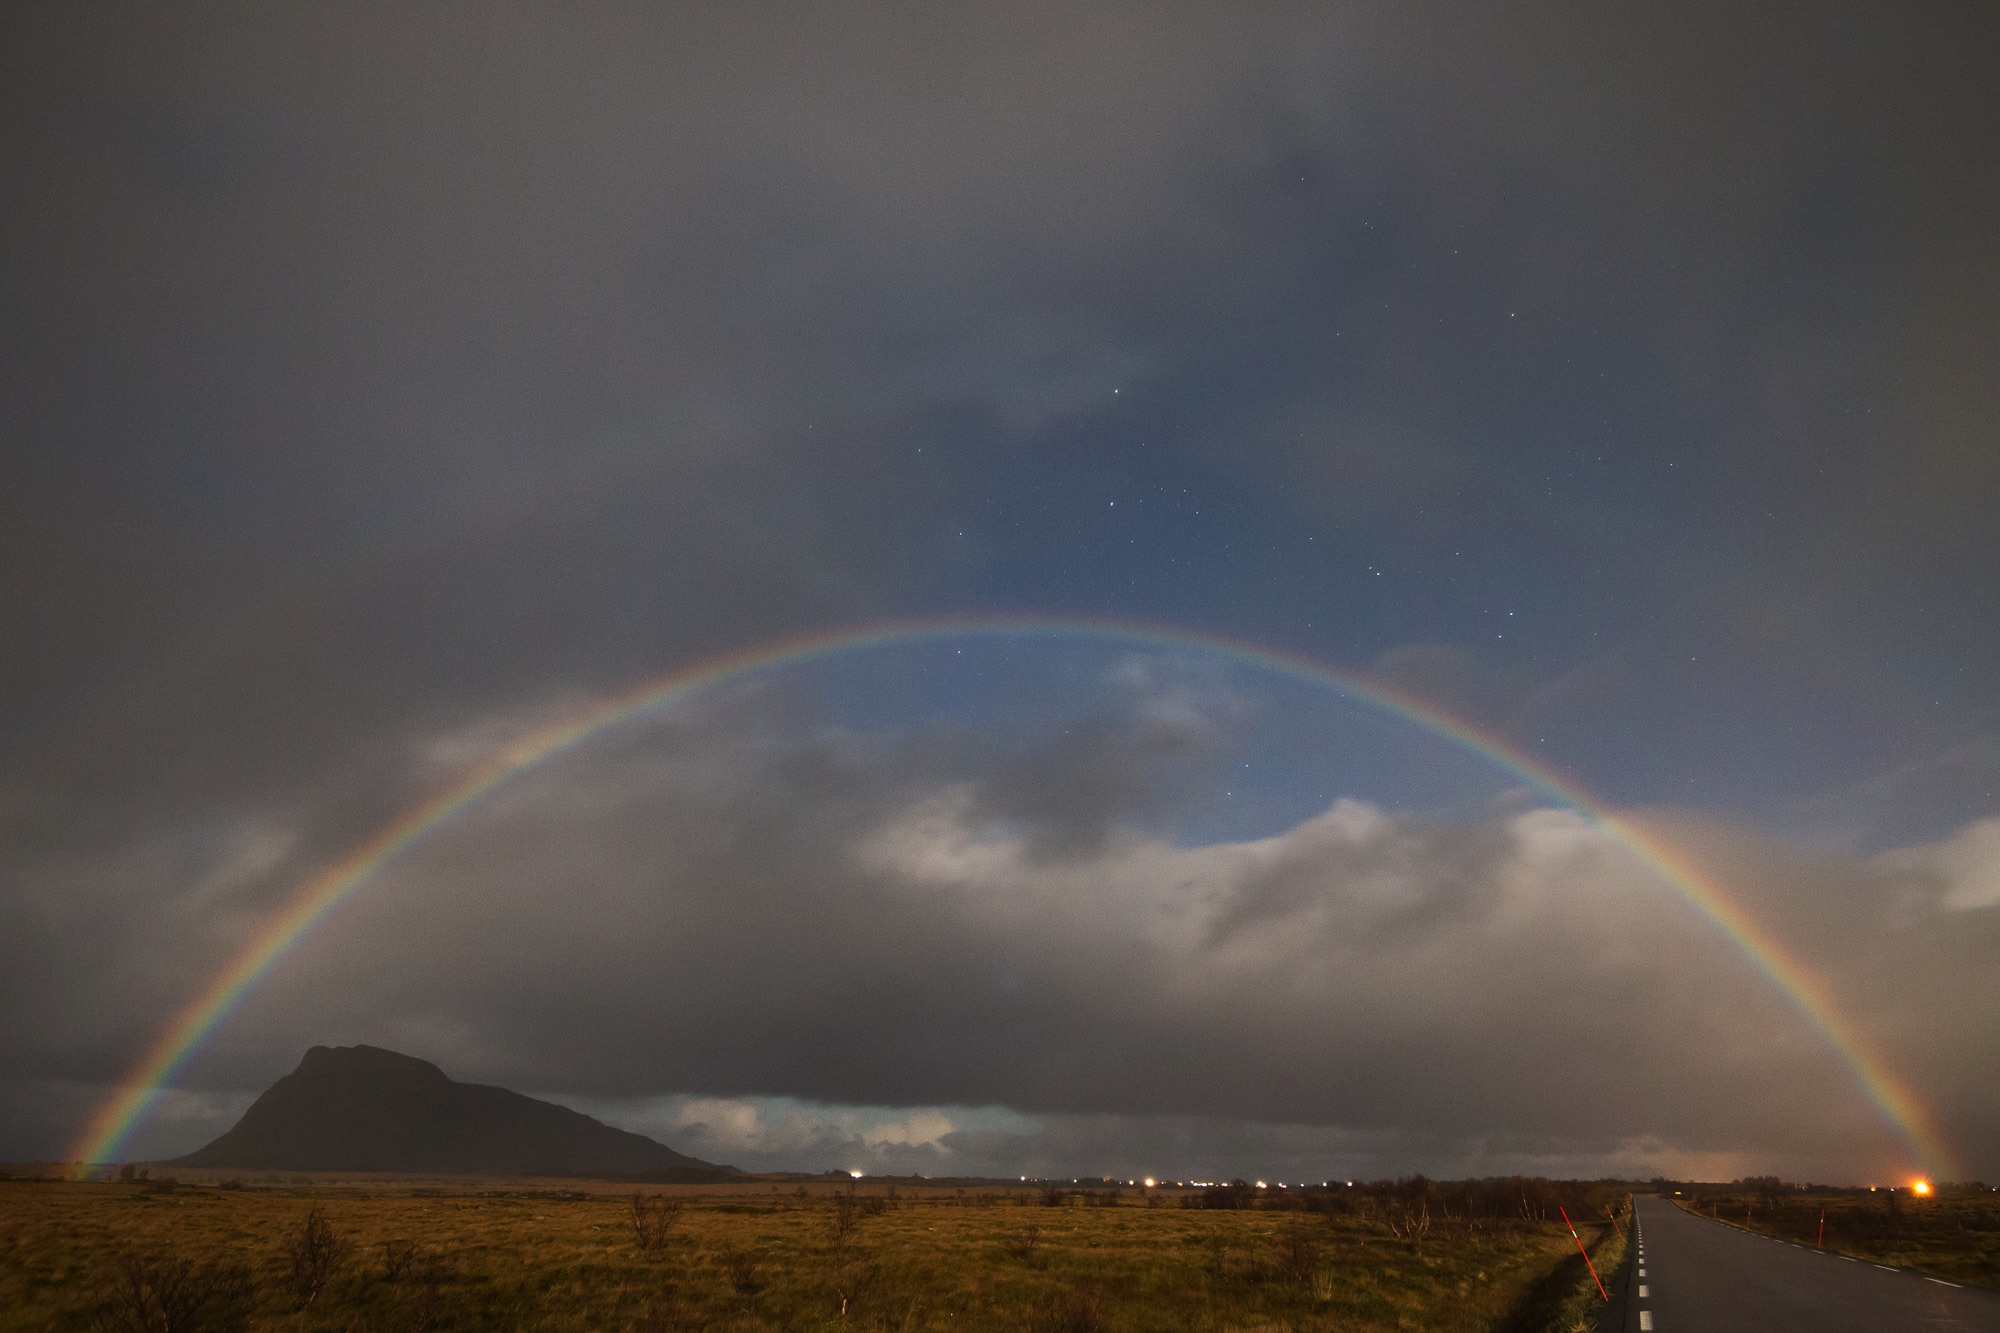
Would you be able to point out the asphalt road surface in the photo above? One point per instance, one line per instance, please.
(1690, 1275)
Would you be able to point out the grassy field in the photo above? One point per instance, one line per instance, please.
(1953, 1234)
(386, 1255)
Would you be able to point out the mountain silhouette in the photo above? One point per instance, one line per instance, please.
(361, 1108)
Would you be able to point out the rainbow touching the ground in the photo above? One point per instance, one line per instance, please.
(121, 1114)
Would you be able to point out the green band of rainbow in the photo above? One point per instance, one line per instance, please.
(116, 1120)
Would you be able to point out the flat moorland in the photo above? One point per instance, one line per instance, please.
(1953, 1234)
(379, 1255)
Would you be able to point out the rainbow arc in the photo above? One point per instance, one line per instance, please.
(114, 1123)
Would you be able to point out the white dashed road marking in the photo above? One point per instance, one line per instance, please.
(1645, 1321)
(1642, 1291)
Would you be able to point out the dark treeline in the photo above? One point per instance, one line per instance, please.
(1776, 1188)
(1523, 1198)
(1840, 1216)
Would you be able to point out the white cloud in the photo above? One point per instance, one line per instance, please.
(918, 1129)
(784, 1133)
(1966, 865)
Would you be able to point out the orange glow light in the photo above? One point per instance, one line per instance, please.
(1921, 1187)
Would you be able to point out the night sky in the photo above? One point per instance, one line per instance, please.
(383, 382)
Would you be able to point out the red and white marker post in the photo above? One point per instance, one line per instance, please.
(1585, 1253)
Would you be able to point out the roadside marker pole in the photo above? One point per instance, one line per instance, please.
(1614, 1221)
(1585, 1253)
(1821, 1242)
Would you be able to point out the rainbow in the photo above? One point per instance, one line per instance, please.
(114, 1122)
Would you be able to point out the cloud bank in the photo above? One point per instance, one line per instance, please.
(742, 927)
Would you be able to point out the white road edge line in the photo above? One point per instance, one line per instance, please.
(1941, 1282)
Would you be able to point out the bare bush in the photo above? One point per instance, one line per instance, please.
(164, 1293)
(1299, 1253)
(741, 1268)
(655, 1218)
(316, 1254)
(1026, 1247)
(397, 1257)
(1410, 1224)
(846, 1214)
(847, 1267)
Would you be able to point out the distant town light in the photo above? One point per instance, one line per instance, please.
(855, 1174)
(1150, 1182)
(1921, 1187)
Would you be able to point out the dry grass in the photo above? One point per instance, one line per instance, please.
(496, 1255)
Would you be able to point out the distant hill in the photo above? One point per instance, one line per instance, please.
(361, 1108)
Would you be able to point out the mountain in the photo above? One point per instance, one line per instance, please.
(361, 1108)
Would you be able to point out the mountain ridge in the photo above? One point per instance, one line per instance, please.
(366, 1108)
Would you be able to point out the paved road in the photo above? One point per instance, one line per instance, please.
(1691, 1275)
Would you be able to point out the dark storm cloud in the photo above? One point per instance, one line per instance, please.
(1146, 760)
(373, 362)
(376, 376)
